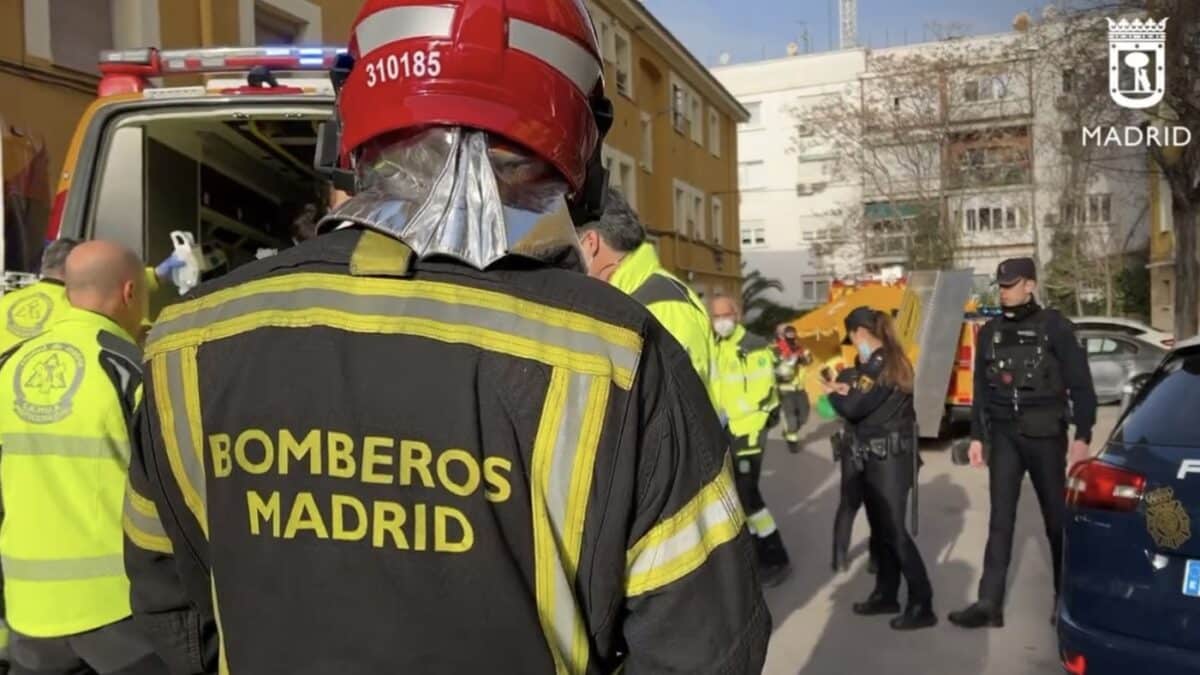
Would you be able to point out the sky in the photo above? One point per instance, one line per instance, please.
(751, 30)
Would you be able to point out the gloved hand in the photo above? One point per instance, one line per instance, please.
(166, 267)
(773, 418)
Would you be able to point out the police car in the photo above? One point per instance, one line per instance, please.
(1131, 586)
(225, 159)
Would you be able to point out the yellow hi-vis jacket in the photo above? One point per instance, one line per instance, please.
(674, 304)
(64, 456)
(28, 311)
(745, 384)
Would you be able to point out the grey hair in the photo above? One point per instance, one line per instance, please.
(619, 226)
(54, 258)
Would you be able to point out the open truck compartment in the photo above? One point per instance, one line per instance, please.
(235, 173)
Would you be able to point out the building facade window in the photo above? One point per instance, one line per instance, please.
(993, 218)
(754, 233)
(621, 173)
(696, 119)
(78, 32)
(279, 22)
(1068, 81)
(623, 55)
(689, 210)
(604, 32)
(647, 122)
(989, 88)
(756, 118)
(752, 175)
(714, 132)
(679, 107)
(1099, 209)
(717, 222)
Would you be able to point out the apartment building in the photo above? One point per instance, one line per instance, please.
(673, 147)
(968, 145)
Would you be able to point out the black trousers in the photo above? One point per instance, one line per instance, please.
(795, 413)
(115, 649)
(767, 542)
(1012, 454)
(850, 499)
(886, 486)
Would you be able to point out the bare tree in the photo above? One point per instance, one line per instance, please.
(899, 131)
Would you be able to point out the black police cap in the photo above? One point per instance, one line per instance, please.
(859, 317)
(1015, 269)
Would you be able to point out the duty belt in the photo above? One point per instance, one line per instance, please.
(892, 444)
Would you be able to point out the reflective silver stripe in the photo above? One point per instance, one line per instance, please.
(63, 570)
(560, 52)
(402, 23)
(563, 465)
(510, 323)
(147, 523)
(188, 456)
(681, 544)
(55, 445)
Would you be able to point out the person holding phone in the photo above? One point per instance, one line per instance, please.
(875, 398)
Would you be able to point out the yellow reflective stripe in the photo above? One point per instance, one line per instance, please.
(446, 312)
(682, 543)
(141, 524)
(222, 659)
(58, 445)
(546, 571)
(749, 452)
(762, 523)
(139, 503)
(66, 569)
(183, 452)
(580, 492)
(563, 466)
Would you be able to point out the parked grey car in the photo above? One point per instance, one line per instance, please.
(1117, 361)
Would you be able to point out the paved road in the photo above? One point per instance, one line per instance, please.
(817, 634)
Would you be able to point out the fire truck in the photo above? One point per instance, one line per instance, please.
(226, 155)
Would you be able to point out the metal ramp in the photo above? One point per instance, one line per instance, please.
(931, 318)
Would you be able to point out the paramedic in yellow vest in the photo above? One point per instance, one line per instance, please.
(615, 250)
(746, 397)
(29, 311)
(65, 416)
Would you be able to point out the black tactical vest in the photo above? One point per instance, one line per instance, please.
(1022, 372)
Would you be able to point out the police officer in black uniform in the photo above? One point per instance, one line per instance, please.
(876, 401)
(1027, 367)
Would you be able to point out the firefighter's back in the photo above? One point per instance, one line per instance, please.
(387, 466)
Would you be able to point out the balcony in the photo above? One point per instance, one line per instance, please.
(1000, 175)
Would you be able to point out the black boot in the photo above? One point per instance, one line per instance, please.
(916, 616)
(794, 447)
(773, 563)
(876, 604)
(978, 615)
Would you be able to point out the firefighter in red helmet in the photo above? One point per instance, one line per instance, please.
(425, 441)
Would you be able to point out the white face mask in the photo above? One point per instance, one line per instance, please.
(724, 327)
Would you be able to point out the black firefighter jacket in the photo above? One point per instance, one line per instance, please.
(354, 462)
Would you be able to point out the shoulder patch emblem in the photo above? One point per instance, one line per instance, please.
(46, 381)
(27, 316)
(865, 383)
(1166, 519)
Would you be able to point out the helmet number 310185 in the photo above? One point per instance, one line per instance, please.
(400, 66)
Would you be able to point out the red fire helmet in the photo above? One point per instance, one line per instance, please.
(526, 70)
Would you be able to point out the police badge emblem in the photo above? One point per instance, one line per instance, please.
(45, 382)
(865, 384)
(1166, 519)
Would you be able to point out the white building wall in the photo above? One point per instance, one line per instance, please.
(792, 222)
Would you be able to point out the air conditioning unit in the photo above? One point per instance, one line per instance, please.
(1063, 102)
(819, 187)
(803, 189)
(1050, 219)
(803, 130)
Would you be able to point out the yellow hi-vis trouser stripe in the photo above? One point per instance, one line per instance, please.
(682, 543)
(142, 525)
(564, 455)
(446, 312)
(762, 523)
(177, 397)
